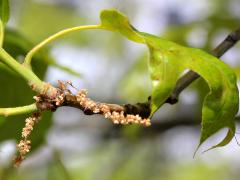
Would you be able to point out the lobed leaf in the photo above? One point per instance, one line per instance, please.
(220, 104)
(168, 60)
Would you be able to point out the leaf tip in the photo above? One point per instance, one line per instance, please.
(224, 142)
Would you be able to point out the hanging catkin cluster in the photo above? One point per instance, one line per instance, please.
(24, 145)
(116, 117)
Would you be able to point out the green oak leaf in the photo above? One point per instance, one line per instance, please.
(168, 60)
(4, 11)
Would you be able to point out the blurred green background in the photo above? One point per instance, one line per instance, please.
(69, 145)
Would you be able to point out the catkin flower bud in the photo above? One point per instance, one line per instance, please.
(24, 145)
(105, 109)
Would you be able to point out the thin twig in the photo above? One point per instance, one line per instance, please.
(142, 109)
(18, 110)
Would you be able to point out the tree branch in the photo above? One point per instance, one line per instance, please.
(142, 109)
(191, 76)
(48, 93)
